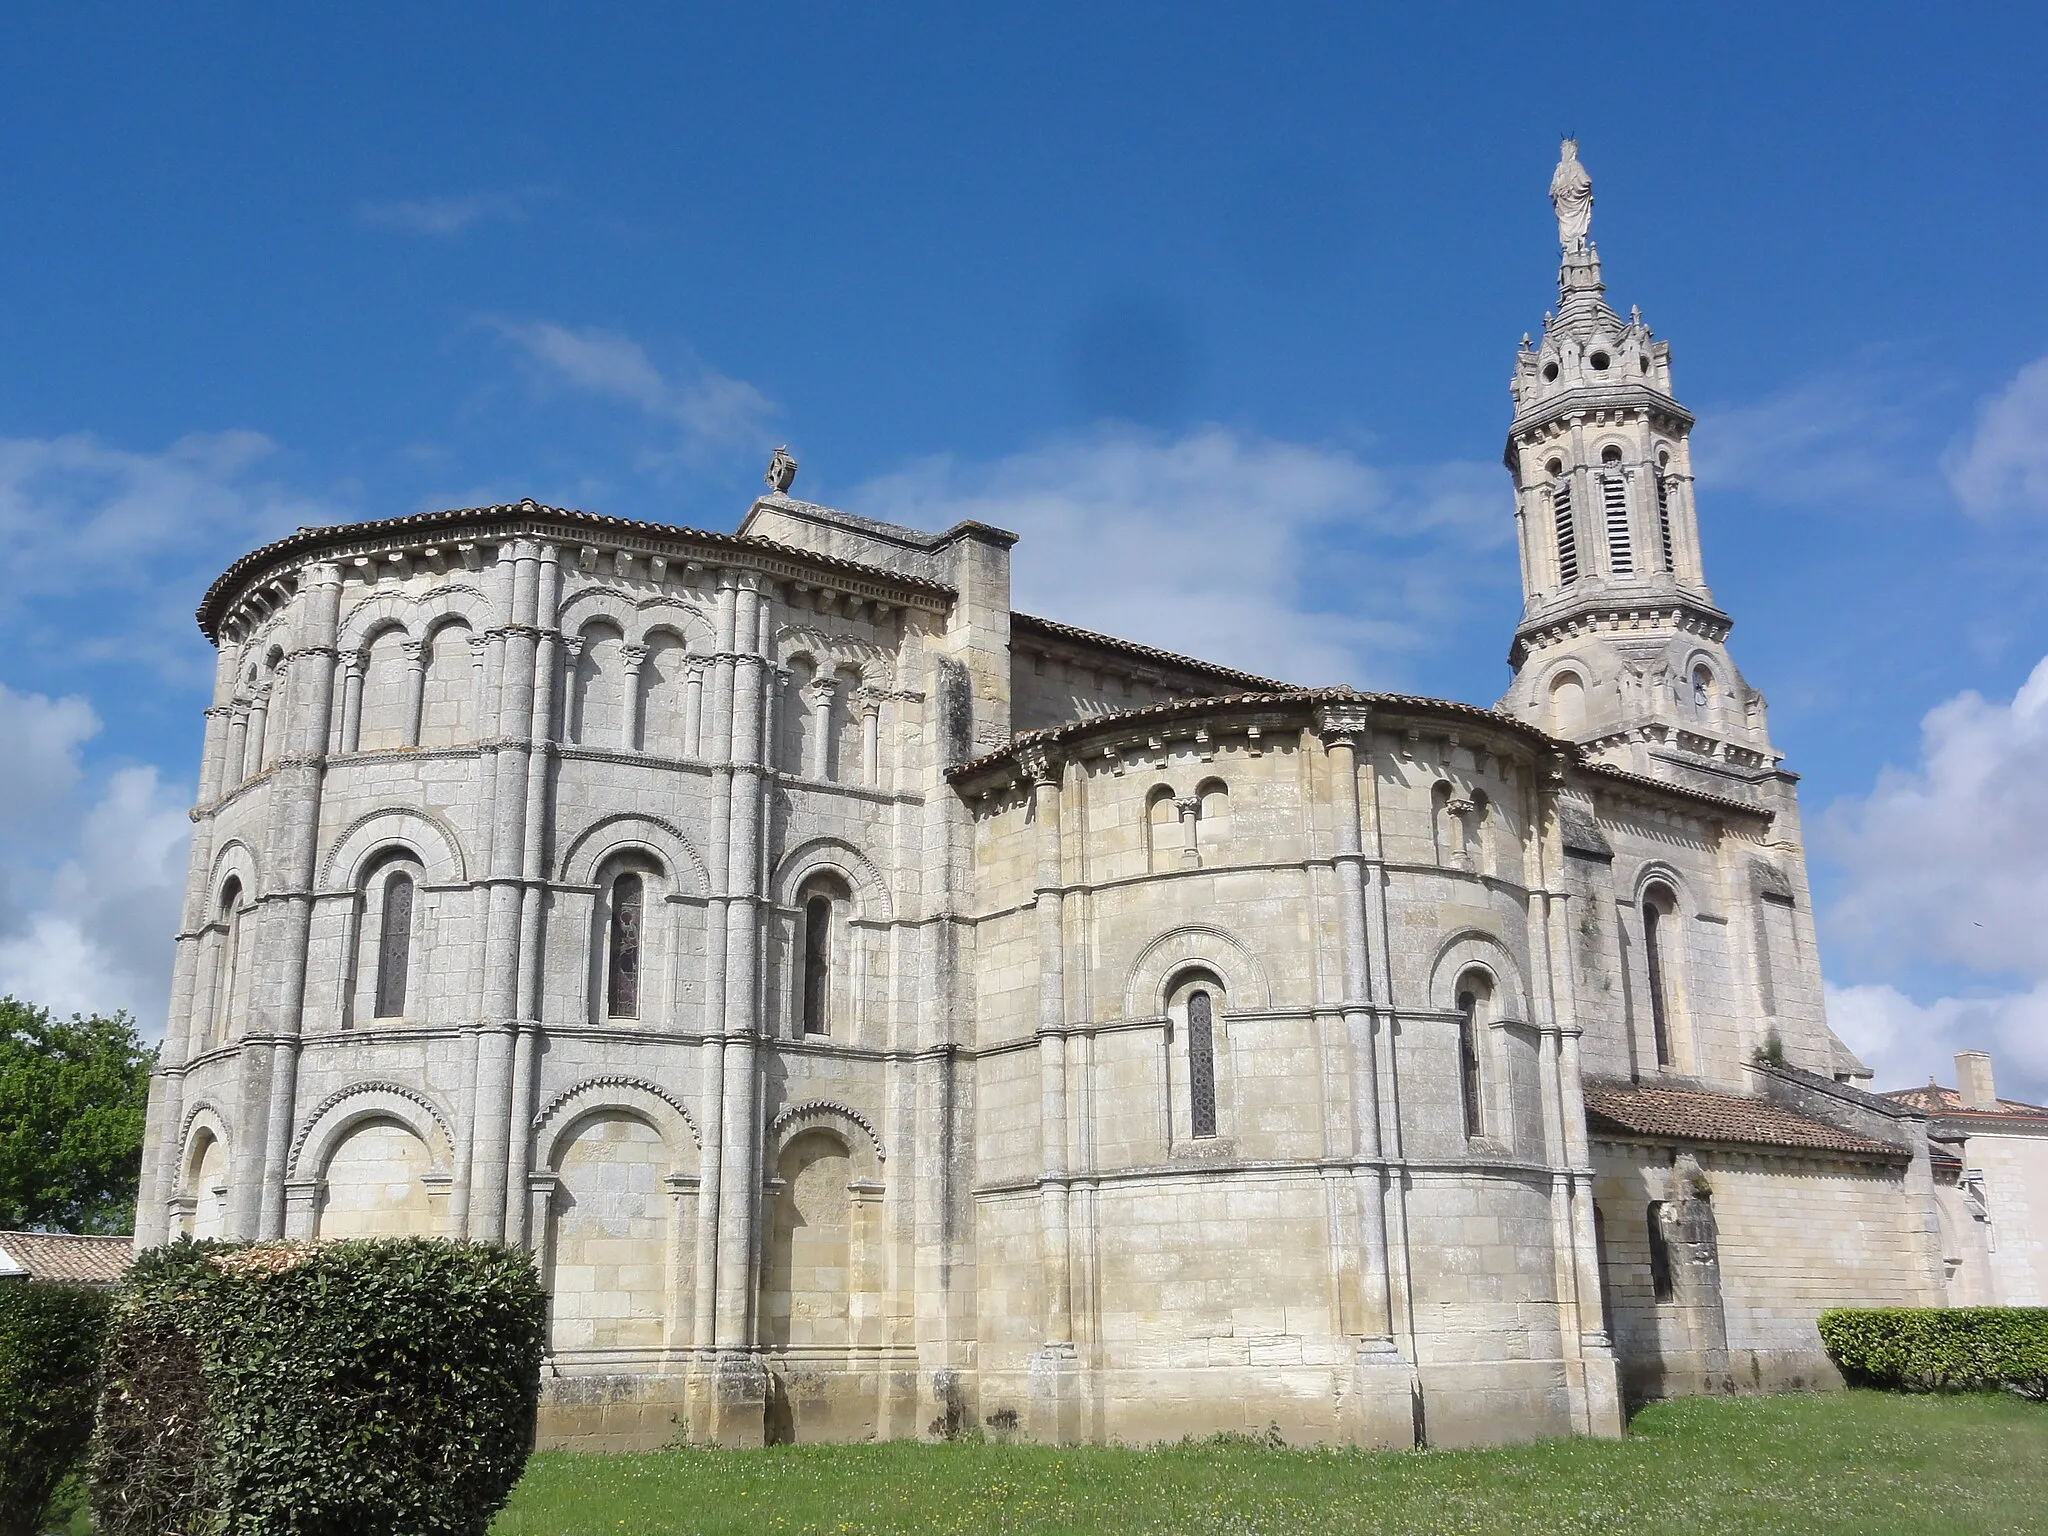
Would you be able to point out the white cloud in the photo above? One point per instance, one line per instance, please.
(1300, 562)
(711, 409)
(443, 216)
(1844, 438)
(90, 932)
(139, 534)
(1906, 1043)
(39, 767)
(1947, 866)
(2002, 465)
(1949, 861)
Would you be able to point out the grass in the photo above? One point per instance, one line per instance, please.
(1843, 1461)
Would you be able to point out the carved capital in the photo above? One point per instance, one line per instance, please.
(415, 652)
(1039, 765)
(1188, 807)
(1345, 723)
(818, 692)
(696, 666)
(1461, 807)
(634, 655)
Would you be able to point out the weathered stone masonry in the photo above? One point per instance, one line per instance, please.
(880, 1011)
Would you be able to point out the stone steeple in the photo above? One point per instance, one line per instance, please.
(1621, 647)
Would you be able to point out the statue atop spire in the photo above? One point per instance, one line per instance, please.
(1571, 194)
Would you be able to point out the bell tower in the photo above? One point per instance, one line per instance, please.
(1621, 647)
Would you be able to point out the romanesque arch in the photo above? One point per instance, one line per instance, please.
(819, 1250)
(623, 830)
(870, 891)
(200, 1197)
(615, 1190)
(424, 834)
(1195, 946)
(1474, 949)
(373, 1160)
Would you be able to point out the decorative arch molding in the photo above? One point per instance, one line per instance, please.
(827, 653)
(422, 831)
(1474, 949)
(416, 615)
(209, 1117)
(1195, 945)
(633, 1095)
(829, 1115)
(344, 1109)
(586, 603)
(686, 621)
(256, 646)
(870, 891)
(233, 858)
(633, 829)
(1661, 872)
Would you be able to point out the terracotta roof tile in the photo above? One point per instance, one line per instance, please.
(1079, 636)
(64, 1258)
(1935, 1100)
(1695, 1114)
(455, 519)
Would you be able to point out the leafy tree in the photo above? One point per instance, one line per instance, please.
(72, 1097)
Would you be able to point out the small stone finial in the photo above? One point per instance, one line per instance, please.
(781, 471)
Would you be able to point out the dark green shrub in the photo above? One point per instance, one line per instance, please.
(49, 1358)
(1927, 1349)
(290, 1389)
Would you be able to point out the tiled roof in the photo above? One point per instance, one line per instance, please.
(1935, 1100)
(1694, 1114)
(1079, 636)
(455, 519)
(64, 1258)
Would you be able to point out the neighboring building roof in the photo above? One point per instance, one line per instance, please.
(1948, 1103)
(64, 1258)
(1695, 1114)
(455, 520)
(1088, 637)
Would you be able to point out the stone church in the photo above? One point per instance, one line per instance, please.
(882, 1012)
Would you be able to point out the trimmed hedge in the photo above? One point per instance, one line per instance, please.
(317, 1389)
(49, 1367)
(1932, 1349)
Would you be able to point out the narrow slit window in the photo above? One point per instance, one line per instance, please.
(622, 978)
(1201, 1064)
(1653, 953)
(1468, 1063)
(1614, 500)
(394, 945)
(1664, 518)
(1660, 1254)
(817, 965)
(1567, 539)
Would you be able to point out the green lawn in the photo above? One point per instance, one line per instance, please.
(1843, 1461)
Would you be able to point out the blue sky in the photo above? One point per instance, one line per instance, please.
(1215, 304)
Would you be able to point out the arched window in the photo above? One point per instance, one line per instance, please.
(227, 962)
(597, 713)
(818, 966)
(1474, 992)
(394, 945)
(1561, 519)
(1702, 691)
(1212, 820)
(1202, 1062)
(1567, 704)
(448, 703)
(1195, 1005)
(622, 947)
(1664, 508)
(1162, 830)
(822, 988)
(1614, 502)
(1658, 906)
(382, 722)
